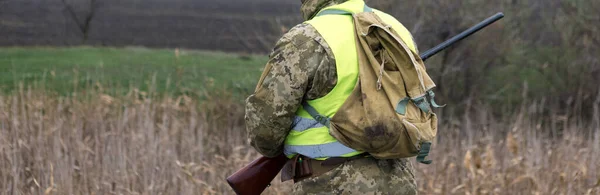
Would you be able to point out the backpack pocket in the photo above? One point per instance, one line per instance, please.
(420, 131)
(421, 128)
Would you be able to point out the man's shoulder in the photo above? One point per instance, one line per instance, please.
(300, 34)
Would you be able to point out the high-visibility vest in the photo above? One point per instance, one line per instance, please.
(308, 137)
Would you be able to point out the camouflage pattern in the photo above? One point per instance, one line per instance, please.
(302, 67)
(363, 176)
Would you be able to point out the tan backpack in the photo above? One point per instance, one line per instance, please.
(388, 114)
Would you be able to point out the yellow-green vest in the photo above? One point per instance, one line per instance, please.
(308, 137)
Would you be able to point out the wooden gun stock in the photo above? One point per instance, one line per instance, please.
(254, 178)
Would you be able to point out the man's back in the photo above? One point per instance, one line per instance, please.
(303, 68)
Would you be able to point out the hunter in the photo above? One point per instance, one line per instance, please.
(304, 66)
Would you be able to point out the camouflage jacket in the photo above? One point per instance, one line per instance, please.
(301, 67)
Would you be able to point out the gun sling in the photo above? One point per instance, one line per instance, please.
(301, 167)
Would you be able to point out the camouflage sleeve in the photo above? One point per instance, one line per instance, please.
(287, 77)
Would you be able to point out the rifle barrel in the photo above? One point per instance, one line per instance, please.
(461, 36)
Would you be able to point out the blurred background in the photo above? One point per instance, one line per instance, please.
(146, 97)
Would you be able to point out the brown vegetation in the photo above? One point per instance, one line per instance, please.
(146, 143)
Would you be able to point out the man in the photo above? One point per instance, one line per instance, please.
(303, 67)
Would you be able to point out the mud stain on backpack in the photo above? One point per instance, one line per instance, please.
(375, 131)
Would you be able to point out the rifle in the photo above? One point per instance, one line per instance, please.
(257, 176)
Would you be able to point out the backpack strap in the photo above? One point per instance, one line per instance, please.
(433, 103)
(422, 103)
(324, 120)
(401, 107)
(424, 152)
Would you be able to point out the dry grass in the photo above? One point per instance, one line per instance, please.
(518, 155)
(145, 143)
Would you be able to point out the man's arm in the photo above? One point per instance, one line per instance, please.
(287, 77)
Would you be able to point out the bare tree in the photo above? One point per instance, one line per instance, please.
(84, 24)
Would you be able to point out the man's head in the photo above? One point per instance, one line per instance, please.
(311, 7)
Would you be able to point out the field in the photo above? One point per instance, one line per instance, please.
(174, 71)
(142, 121)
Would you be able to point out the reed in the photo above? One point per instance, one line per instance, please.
(147, 143)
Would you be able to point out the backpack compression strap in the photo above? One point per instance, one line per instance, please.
(324, 120)
(424, 152)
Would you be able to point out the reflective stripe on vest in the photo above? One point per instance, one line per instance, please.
(334, 149)
(308, 137)
(302, 124)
